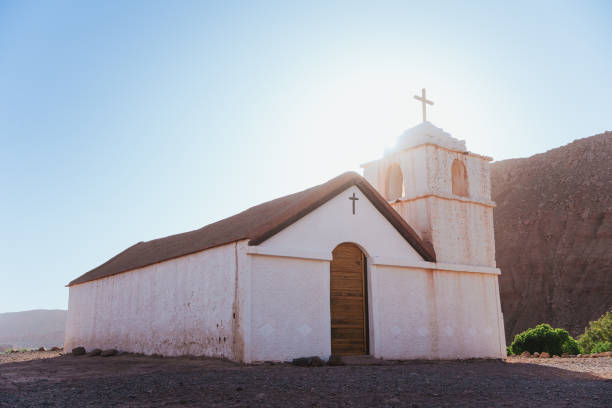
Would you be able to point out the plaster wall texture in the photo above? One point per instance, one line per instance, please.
(426, 169)
(413, 312)
(461, 232)
(414, 172)
(181, 306)
(334, 223)
(291, 311)
(271, 302)
(439, 179)
(435, 314)
(291, 294)
(460, 228)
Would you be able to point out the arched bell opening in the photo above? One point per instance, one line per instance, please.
(394, 183)
(460, 179)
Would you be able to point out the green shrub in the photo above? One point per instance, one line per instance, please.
(602, 346)
(509, 351)
(599, 331)
(545, 338)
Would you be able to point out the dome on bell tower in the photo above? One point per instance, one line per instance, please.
(426, 133)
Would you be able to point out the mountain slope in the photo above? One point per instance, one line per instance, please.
(553, 233)
(33, 328)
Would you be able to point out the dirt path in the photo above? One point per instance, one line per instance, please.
(145, 381)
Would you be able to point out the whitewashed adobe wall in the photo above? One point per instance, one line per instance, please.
(271, 302)
(290, 295)
(334, 223)
(460, 228)
(432, 314)
(290, 309)
(181, 306)
(414, 312)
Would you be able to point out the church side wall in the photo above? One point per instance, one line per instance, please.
(290, 308)
(182, 306)
(435, 314)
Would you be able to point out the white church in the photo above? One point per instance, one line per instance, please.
(397, 264)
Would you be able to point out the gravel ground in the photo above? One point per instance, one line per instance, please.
(133, 381)
(601, 367)
(27, 356)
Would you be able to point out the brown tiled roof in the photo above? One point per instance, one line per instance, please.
(256, 224)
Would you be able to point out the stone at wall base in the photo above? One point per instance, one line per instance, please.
(109, 352)
(313, 361)
(544, 355)
(94, 352)
(335, 360)
(78, 351)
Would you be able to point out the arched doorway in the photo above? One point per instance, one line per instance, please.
(348, 301)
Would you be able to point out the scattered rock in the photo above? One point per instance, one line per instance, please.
(302, 361)
(555, 356)
(55, 348)
(316, 362)
(94, 352)
(606, 354)
(109, 352)
(536, 355)
(565, 355)
(313, 361)
(335, 360)
(526, 354)
(42, 349)
(544, 355)
(78, 351)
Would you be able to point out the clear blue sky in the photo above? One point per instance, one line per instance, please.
(127, 121)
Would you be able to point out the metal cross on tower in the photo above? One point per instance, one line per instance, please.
(424, 101)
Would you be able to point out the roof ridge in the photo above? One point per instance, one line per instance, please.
(257, 223)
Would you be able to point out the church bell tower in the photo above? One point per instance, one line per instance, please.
(442, 190)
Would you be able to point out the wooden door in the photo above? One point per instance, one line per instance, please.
(348, 301)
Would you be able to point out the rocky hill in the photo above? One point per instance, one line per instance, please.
(553, 233)
(33, 328)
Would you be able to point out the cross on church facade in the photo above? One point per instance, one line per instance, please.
(424, 101)
(353, 199)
